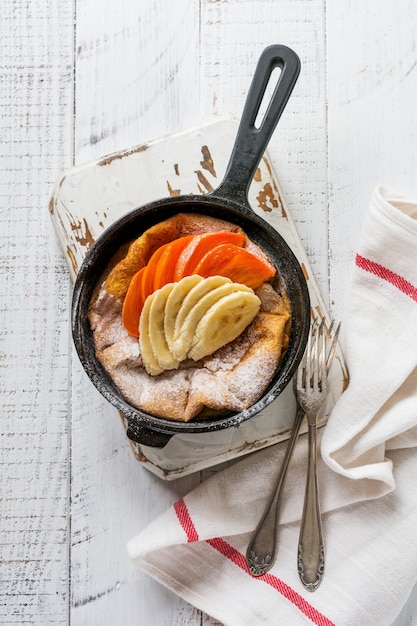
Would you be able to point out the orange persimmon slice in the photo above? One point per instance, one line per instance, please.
(133, 303)
(148, 278)
(158, 272)
(199, 246)
(164, 271)
(238, 264)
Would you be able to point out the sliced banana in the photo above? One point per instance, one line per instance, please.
(173, 304)
(148, 358)
(223, 322)
(156, 323)
(193, 318)
(185, 328)
(193, 297)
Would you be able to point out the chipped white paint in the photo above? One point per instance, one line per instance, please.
(84, 79)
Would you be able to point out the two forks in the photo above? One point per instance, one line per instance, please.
(310, 387)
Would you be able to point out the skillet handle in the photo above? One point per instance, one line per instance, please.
(251, 142)
(147, 437)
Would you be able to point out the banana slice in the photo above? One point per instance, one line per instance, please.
(193, 297)
(148, 358)
(185, 328)
(174, 302)
(156, 323)
(223, 322)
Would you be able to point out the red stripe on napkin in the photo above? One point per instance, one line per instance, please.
(285, 590)
(239, 559)
(391, 277)
(185, 520)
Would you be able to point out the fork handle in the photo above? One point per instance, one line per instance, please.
(260, 555)
(311, 545)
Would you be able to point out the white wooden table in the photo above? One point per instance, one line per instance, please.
(81, 79)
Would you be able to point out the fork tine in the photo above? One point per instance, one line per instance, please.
(318, 341)
(301, 371)
(315, 380)
(330, 329)
(310, 360)
(323, 360)
(320, 356)
(314, 323)
(333, 345)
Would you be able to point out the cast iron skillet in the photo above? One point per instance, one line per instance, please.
(229, 202)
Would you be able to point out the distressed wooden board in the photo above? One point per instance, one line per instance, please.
(87, 199)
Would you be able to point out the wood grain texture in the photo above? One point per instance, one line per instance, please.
(233, 36)
(372, 131)
(137, 73)
(36, 105)
(82, 79)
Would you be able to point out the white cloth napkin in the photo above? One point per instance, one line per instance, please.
(368, 473)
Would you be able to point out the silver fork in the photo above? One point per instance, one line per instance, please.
(261, 552)
(311, 391)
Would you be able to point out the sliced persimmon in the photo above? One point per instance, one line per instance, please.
(198, 247)
(238, 264)
(148, 279)
(133, 303)
(164, 271)
(207, 254)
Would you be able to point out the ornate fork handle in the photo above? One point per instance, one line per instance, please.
(260, 554)
(311, 544)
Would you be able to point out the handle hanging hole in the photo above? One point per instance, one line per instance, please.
(266, 98)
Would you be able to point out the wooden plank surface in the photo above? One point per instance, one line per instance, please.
(372, 134)
(36, 108)
(81, 80)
